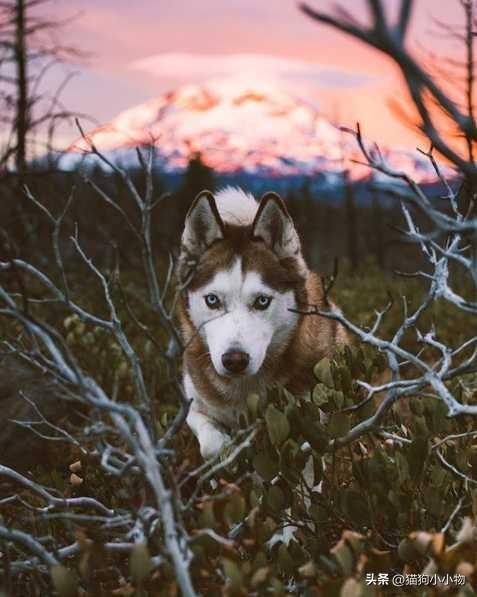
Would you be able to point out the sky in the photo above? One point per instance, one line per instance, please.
(138, 49)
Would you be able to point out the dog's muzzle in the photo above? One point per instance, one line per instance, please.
(235, 361)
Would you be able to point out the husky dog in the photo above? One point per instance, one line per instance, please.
(245, 279)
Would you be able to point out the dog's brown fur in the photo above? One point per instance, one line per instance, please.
(313, 338)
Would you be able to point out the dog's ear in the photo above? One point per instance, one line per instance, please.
(203, 224)
(275, 227)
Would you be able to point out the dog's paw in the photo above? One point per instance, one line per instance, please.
(212, 442)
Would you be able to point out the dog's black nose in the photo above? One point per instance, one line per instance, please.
(235, 361)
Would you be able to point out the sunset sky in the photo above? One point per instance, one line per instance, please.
(139, 49)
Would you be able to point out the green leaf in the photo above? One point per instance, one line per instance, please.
(313, 431)
(407, 550)
(64, 580)
(265, 529)
(322, 371)
(254, 497)
(276, 498)
(207, 516)
(260, 576)
(434, 499)
(320, 394)
(285, 562)
(339, 424)
(292, 462)
(344, 557)
(252, 405)
(278, 426)
(140, 562)
(353, 357)
(276, 587)
(345, 378)
(438, 476)
(233, 574)
(402, 467)
(234, 510)
(416, 456)
(336, 399)
(355, 506)
(266, 466)
(288, 452)
(419, 426)
(318, 513)
(416, 406)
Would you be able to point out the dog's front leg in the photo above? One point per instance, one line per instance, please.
(211, 439)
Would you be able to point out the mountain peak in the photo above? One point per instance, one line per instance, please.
(239, 124)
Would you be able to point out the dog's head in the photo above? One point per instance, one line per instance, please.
(242, 282)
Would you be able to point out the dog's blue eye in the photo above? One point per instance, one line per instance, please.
(262, 302)
(212, 301)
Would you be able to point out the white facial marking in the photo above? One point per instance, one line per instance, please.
(238, 325)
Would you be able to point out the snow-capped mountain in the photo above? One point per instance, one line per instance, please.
(238, 126)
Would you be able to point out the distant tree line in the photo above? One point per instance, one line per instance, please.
(340, 227)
